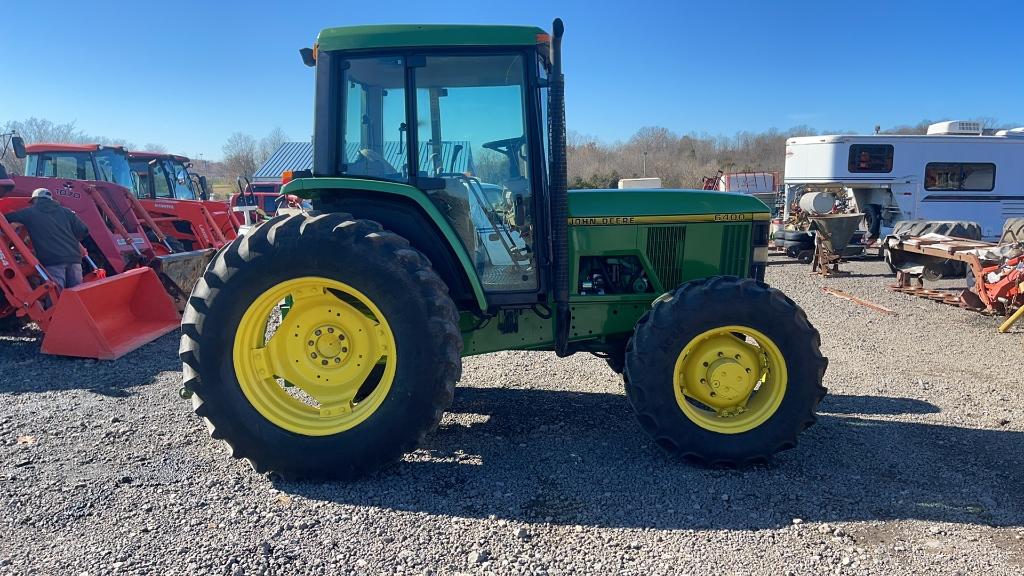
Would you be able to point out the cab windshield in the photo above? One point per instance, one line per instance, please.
(113, 167)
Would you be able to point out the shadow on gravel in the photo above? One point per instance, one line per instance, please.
(25, 370)
(843, 404)
(579, 458)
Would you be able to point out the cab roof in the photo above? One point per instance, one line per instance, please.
(139, 155)
(45, 147)
(427, 35)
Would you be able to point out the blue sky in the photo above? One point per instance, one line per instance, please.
(189, 73)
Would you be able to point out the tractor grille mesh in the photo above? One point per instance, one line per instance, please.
(665, 251)
(735, 249)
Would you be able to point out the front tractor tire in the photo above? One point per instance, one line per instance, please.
(725, 371)
(320, 347)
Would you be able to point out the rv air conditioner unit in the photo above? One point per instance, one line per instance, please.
(1012, 132)
(956, 127)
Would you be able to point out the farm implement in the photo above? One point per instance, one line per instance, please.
(996, 269)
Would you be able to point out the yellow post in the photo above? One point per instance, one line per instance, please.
(1005, 326)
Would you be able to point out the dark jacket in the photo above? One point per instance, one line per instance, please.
(55, 231)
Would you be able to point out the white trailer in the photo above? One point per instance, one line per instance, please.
(627, 183)
(958, 171)
(761, 185)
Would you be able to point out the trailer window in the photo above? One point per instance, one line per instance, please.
(963, 176)
(872, 158)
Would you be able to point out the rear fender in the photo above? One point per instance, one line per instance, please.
(405, 210)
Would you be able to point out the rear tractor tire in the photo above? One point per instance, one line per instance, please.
(725, 371)
(320, 348)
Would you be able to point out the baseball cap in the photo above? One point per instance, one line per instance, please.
(42, 193)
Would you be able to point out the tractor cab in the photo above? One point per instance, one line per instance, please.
(463, 126)
(80, 162)
(166, 176)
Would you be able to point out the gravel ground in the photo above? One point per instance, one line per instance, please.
(915, 467)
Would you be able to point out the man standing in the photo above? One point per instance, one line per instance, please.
(56, 233)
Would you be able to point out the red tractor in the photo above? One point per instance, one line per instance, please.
(178, 200)
(122, 302)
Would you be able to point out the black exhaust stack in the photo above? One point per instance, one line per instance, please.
(558, 183)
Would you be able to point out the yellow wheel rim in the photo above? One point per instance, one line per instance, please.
(730, 379)
(325, 367)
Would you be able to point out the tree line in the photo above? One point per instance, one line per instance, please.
(680, 160)
(35, 130)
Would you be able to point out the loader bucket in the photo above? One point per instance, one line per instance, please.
(179, 272)
(109, 318)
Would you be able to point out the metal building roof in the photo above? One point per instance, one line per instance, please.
(299, 156)
(288, 156)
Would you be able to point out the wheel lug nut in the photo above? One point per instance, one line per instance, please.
(330, 330)
(313, 355)
(337, 360)
(318, 332)
(341, 336)
(737, 356)
(344, 349)
(720, 354)
(310, 342)
(323, 362)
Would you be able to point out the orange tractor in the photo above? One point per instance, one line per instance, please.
(178, 200)
(134, 274)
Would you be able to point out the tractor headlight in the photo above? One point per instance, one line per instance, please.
(759, 250)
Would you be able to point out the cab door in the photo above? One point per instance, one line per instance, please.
(474, 146)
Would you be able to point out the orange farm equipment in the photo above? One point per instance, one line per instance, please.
(102, 318)
(177, 200)
(122, 235)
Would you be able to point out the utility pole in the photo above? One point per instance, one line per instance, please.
(645, 163)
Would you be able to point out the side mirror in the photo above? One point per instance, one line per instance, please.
(308, 56)
(18, 144)
(204, 189)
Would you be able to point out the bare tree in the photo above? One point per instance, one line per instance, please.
(37, 130)
(240, 155)
(155, 148)
(270, 143)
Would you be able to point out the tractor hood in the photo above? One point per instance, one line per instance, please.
(628, 206)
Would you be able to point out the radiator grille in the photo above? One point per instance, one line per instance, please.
(665, 251)
(735, 249)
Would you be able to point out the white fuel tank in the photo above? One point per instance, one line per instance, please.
(817, 202)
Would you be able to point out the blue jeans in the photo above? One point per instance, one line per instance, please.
(65, 275)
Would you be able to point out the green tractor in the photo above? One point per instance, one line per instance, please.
(327, 345)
